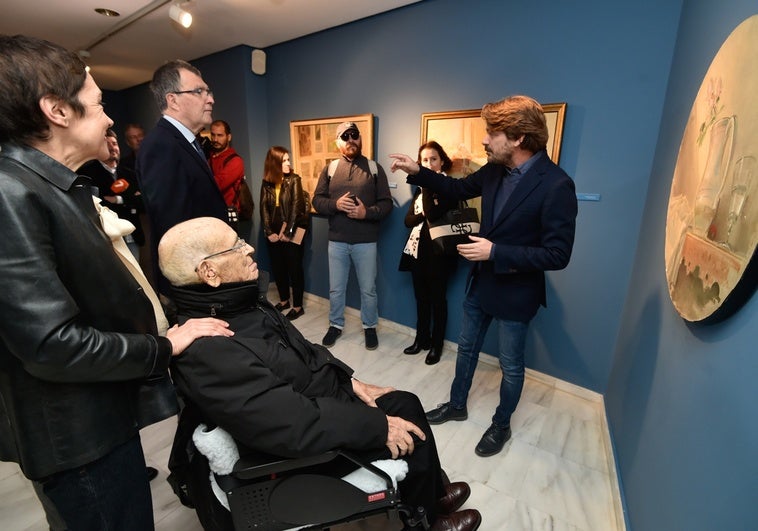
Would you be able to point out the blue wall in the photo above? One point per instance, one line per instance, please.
(681, 399)
(609, 62)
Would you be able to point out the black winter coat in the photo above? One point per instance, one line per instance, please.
(269, 387)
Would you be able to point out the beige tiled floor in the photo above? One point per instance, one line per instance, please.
(556, 473)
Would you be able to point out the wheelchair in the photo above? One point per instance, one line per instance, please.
(278, 494)
(269, 493)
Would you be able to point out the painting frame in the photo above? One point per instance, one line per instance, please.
(555, 114)
(314, 144)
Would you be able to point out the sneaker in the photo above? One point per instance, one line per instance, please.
(371, 340)
(331, 336)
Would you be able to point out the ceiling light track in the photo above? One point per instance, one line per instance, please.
(126, 22)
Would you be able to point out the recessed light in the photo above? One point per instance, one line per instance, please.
(107, 12)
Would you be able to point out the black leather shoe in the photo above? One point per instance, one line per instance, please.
(493, 441)
(416, 347)
(294, 314)
(433, 356)
(445, 412)
(282, 306)
(466, 520)
(456, 495)
(152, 473)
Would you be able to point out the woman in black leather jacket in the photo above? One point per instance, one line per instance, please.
(284, 218)
(83, 365)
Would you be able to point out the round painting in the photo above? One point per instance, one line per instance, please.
(711, 225)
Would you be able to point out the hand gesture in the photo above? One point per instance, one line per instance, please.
(182, 337)
(404, 163)
(399, 436)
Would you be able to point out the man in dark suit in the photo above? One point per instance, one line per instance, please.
(177, 183)
(528, 219)
(117, 186)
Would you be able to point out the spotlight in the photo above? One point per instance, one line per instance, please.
(180, 16)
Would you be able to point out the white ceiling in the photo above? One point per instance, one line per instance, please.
(130, 56)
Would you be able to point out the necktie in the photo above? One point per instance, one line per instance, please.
(198, 147)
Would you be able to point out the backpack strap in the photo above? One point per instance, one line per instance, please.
(228, 158)
(333, 168)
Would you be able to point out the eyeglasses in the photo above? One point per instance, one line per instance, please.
(239, 244)
(355, 135)
(197, 92)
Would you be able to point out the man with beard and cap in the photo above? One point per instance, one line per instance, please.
(354, 193)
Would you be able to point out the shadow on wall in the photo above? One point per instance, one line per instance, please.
(553, 343)
(633, 372)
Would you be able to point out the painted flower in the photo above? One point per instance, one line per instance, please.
(713, 104)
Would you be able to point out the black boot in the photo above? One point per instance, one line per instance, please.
(434, 356)
(417, 347)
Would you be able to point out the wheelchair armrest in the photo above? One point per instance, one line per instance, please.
(256, 465)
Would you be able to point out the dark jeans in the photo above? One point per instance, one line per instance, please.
(287, 268)
(511, 342)
(110, 494)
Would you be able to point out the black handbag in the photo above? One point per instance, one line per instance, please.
(454, 228)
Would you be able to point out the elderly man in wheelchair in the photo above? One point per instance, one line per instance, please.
(276, 393)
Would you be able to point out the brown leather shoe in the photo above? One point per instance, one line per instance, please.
(466, 520)
(456, 495)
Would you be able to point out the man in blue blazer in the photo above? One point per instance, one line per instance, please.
(528, 219)
(176, 182)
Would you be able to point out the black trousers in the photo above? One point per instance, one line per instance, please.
(287, 268)
(430, 278)
(423, 486)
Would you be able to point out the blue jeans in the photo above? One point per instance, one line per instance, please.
(511, 341)
(109, 494)
(363, 256)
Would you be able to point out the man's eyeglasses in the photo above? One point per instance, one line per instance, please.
(355, 135)
(237, 246)
(197, 92)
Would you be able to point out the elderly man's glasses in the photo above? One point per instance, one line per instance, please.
(197, 92)
(355, 135)
(237, 246)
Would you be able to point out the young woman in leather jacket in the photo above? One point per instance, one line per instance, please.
(284, 218)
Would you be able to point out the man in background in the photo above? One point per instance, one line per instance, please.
(176, 181)
(118, 187)
(228, 170)
(354, 193)
(134, 134)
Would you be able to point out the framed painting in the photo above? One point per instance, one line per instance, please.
(460, 133)
(314, 144)
(712, 216)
